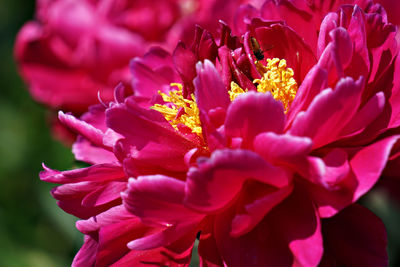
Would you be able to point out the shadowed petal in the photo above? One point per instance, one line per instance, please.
(158, 199)
(354, 237)
(288, 236)
(217, 180)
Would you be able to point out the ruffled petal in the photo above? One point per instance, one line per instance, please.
(354, 237)
(208, 77)
(217, 180)
(99, 172)
(361, 178)
(329, 112)
(253, 113)
(288, 235)
(158, 199)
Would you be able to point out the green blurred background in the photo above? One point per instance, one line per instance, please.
(33, 230)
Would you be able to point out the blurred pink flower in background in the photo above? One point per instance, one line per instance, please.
(75, 50)
(262, 159)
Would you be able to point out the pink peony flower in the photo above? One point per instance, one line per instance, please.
(262, 159)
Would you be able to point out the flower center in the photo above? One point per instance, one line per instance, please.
(277, 79)
(179, 110)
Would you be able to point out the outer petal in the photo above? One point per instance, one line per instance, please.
(217, 180)
(86, 256)
(329, 112)
(88, 131)
(283, 149)
(208, 251)
(158, 199)
(288, 236)
(114, 228)
(84, 150)
(367, 114)
(151, 138)
(113, 215)
(362, 177)
(255, 202)
(354, 237)
(99, 172)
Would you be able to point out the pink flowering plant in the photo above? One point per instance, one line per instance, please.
(257, 142)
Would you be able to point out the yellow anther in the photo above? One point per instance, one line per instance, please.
(277, 79)
(235, 91)
(179, 110)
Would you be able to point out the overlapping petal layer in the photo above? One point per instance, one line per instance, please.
(260, 184)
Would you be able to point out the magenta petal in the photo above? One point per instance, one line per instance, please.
(363, 175)
(253, 113)
(109, 192)
(111, 216)
(360, 61)
(337, 167)
(282, 149)
(257, 209)
(328, 24)
(86, 256)
(367, 114)
(337, 55)
(144, 125)
(185, 61)
(84, 150)
(217, 180)
(99, 172)
(158, 199)
(88, 131)
(208, 251)
(295, 14)
(242, 15)
(165, 237)
(286, 44)
(354, 237)
(329, 112)
(113, 240)
(395, 96)
(288, 235)
(158, 57)
(368, 174)
(208, 77)
(291, 151)
(150, 136)
(145, 81)
(314, 82)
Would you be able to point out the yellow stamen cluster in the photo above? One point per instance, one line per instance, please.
(182, 111)
(235, 91)
(277, 79)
